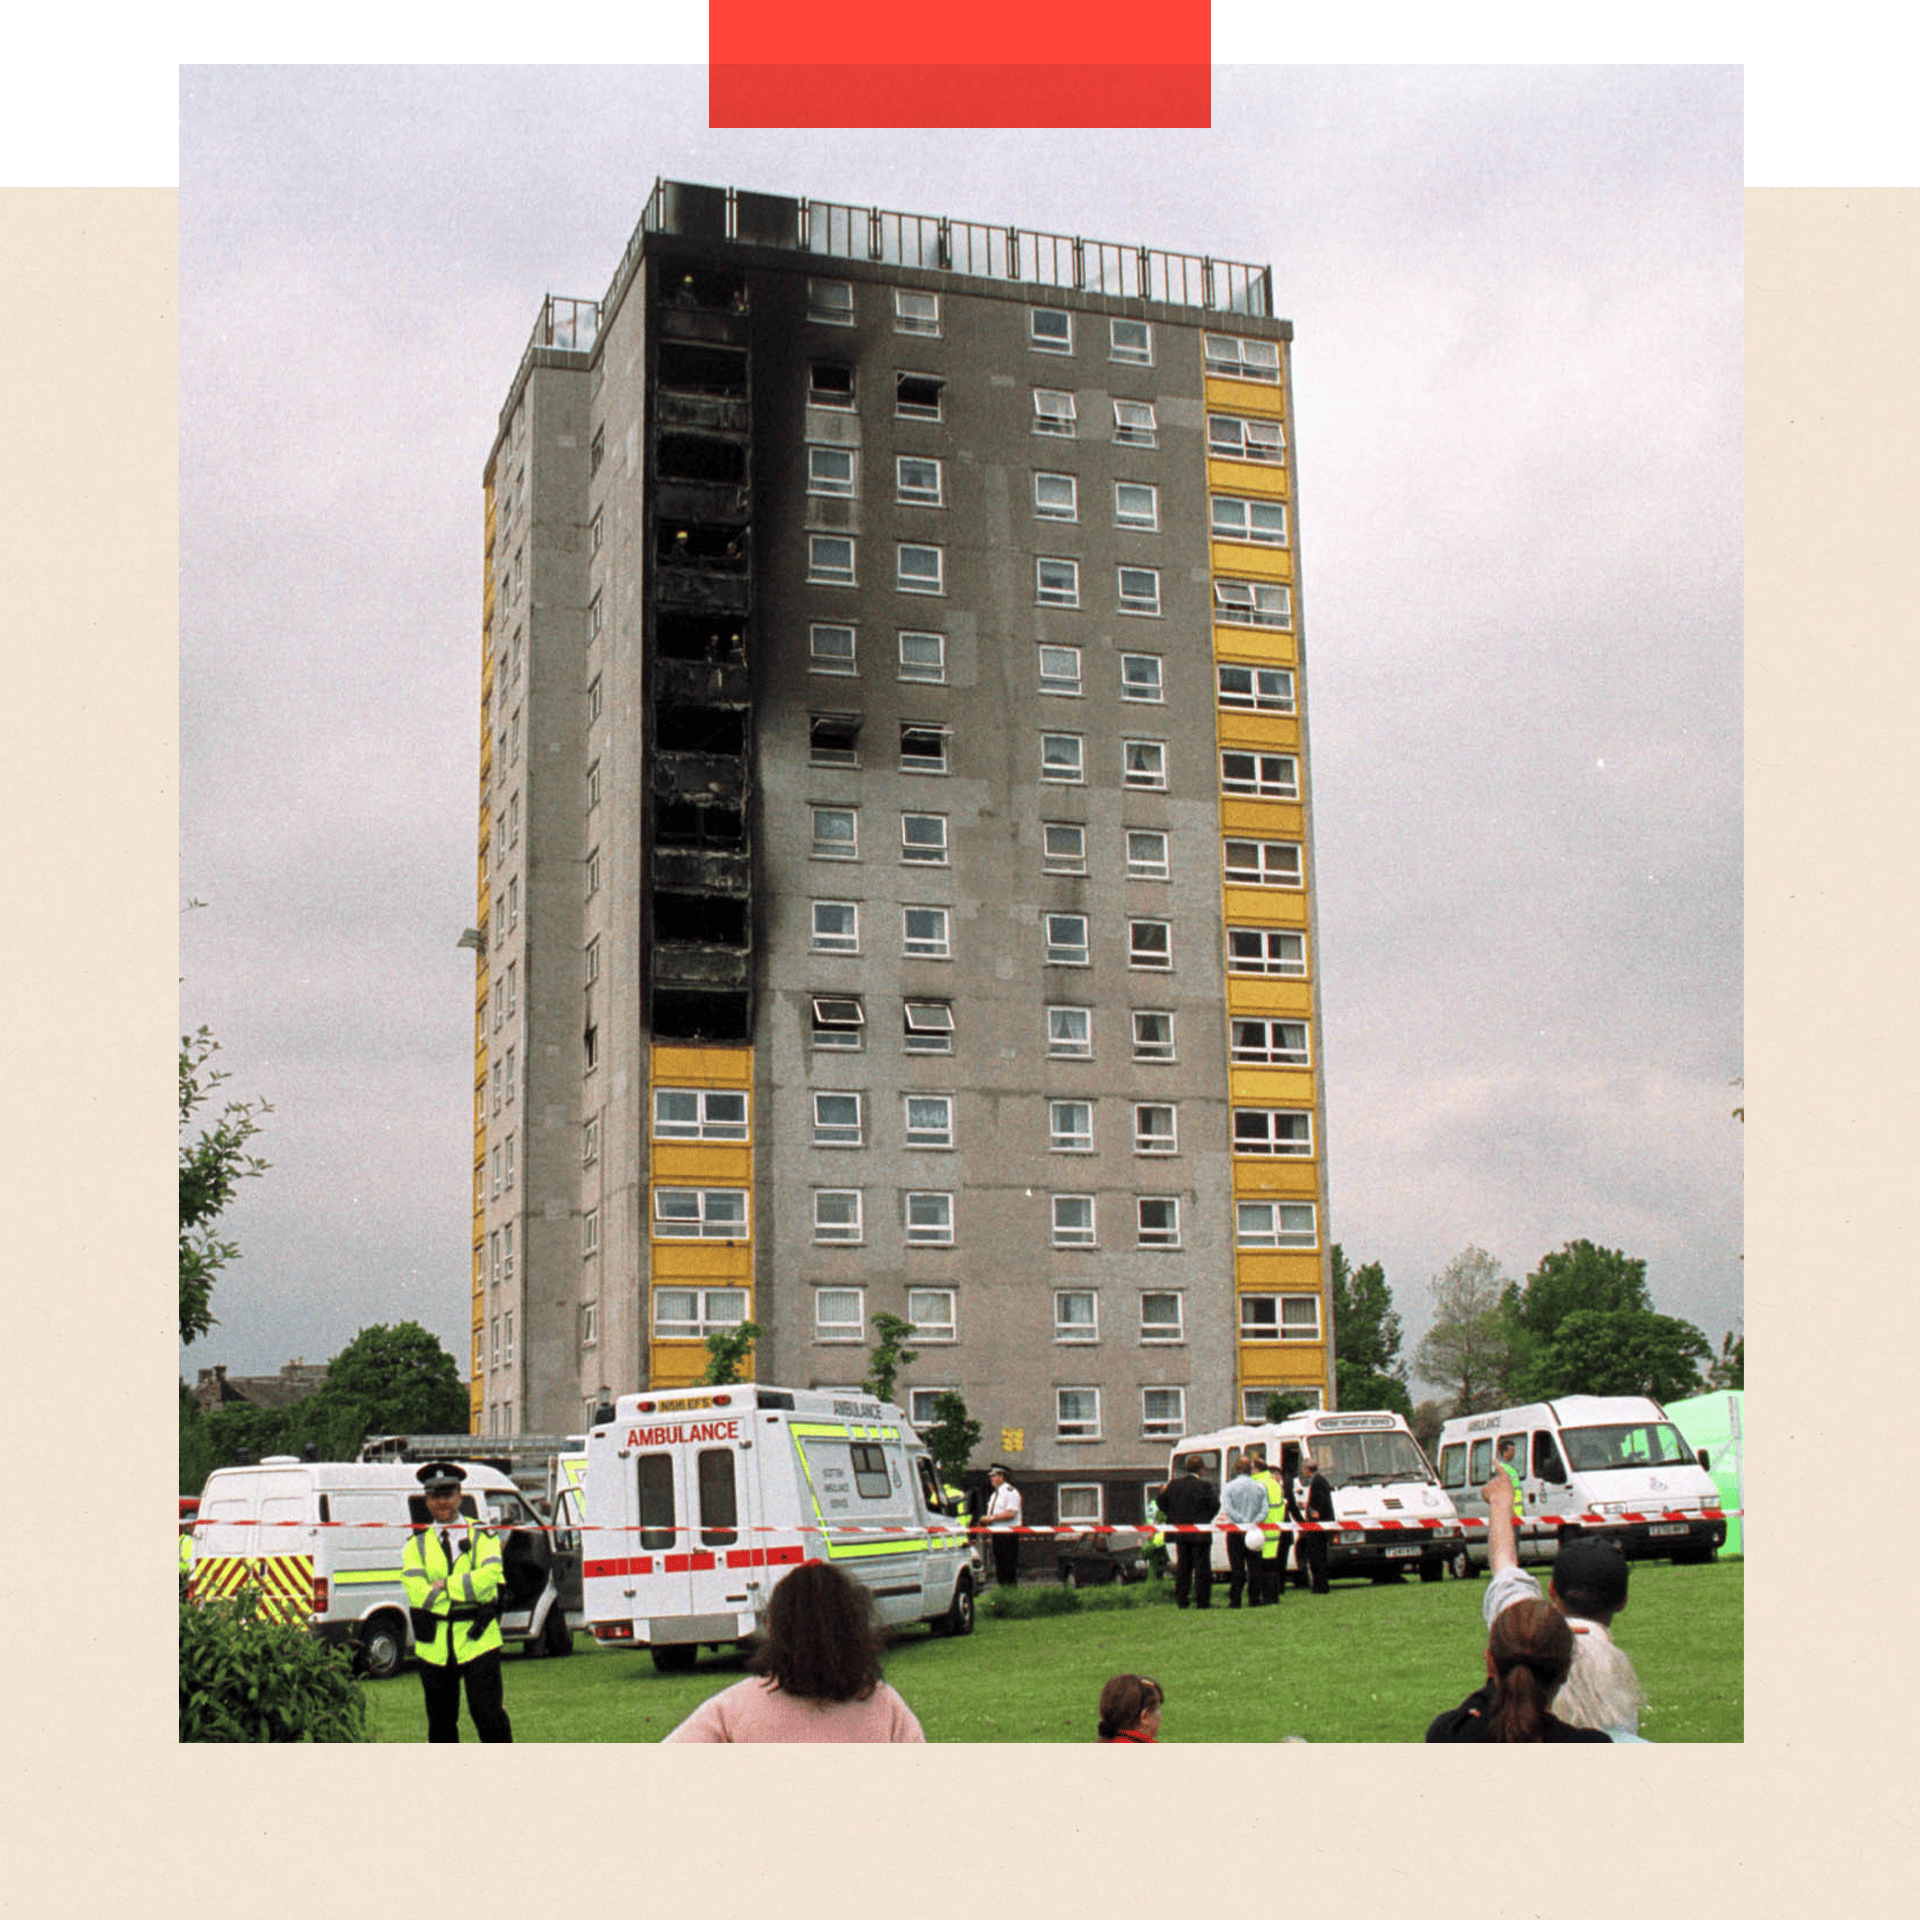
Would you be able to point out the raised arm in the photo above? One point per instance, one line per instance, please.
(1503, 1549)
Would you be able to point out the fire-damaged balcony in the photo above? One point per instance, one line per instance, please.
(698, 546)
(700, 456)
(691, 366)
(712, 503)
(688, 589)
(710, 412)
(695, 683)
(703, 325)
(694, 637)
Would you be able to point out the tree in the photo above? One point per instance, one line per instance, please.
(1624, 1351)
(1368, 1370)
(1426, 1420)
(727, 1353)
(1469, 1348)
(212, 1165)
(1727, 1371)
(952, 1437)
(890, 1354)
(396, 1379)
(1580, 1276)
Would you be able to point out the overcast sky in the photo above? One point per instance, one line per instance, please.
(1517, 371)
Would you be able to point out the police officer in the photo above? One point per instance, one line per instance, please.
(452, 1570)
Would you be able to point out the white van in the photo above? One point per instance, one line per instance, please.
(1587, 1463)
(1392, 1512)
(322, 1541)
(698, 1501)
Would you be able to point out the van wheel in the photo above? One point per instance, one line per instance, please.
(1069, 1578)
(383, 1647)
(675, 1659)
(556, 1637)
(1460, 1565)
(957, 1622)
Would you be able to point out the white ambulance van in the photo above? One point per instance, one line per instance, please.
(1392, 1514)
(1616, 1466)
(699, 1500)
(322, 1541)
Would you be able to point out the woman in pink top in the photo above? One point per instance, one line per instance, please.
(817, 1672)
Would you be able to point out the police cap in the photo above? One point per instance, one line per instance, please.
(441, 1476)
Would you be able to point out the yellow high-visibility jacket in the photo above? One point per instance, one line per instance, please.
(462, 1621)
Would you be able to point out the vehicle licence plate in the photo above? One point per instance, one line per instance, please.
(1402, 1553)
(1671, 1527)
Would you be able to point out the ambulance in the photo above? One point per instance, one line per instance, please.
(1393, 1515)
(1612, 1466)
(698, 1501)
(321, 1541)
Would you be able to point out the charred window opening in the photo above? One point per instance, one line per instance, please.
(702, 288)
(696, 636)
(686, 823)
(829, 385)
(692, 367)
(833, 739)
(917, 396)
(700, 1016)
(699, 919)
(681, 543)
(700, 730)
(699, 456)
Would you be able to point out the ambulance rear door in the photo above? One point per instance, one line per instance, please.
(695, 1502)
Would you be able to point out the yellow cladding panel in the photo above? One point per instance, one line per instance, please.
(677, 1363)
(1239, 559)
(1250, 994)
(703, 1066)
(1264, 1272)
(689, 1163)
(1259, 1176)
(1264, 732)
(1270, 1086)
(1283, 1363)
(1255, 646)
(1262, 819)
(1247, 476)
(1245, 396)
(701, 1263)
(1264, 906)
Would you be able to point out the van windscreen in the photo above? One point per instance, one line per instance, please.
(1368, 1459)
(1638, 1443)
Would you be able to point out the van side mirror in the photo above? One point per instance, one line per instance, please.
(1704, 1457)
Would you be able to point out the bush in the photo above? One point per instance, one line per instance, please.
(243, 1678)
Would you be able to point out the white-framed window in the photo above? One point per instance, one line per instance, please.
(590, 959)
(837, 1216)
(839, 1021)
(1144, 764)
(1262, 863)
(830, 559)
(698, 1113)
(1163, 1412)
(1134, 424)
(596, 617)
(923, 656)
(830, 386)
(589, 1323)
(506, 1255)
(1070, 1033)
(1260, 523)
(596, 528)
(1063, 846)
(507, 1355)
(1230, 358)
(830, 470)
(1131, 342)
(915, 312)
(926, 1026)
(1054, 412)
(917, 396)
(836, 926)
(1066, 939)
(1060, 670)
(1266, 776)
(509, 1144)
(1140, 590)
(496, 1174)
(1269, 1043)
(1056, 582)
(593, 698)
(1076, 1315)
(923, 839)
(921, 1408)
(1275, 1223)
(920, 569)
(1269, 950)
(1253, 1400)
(830, 302)
(1079, 1506)
(513, 821)
(932, 1312)
(839, 1313)
(1143, 677)
(1076, 1413)
(1137, 505)
(929, 1219)
(836, 833)
(1070, 1126)
(929, 1120)
(493, 1258)
(511, 1084)
(497, 1079)
(513, 987)
(833, 739)
(1152, 1034)
(917, 481)
(1263, 442)
(1147, 855)
(1157, 1220)
(1155, 1128)
(830, 648)
(1150, 944)
(691, 1313)
(1073, 1220)
(836, 1119)
(1279, 1131)
(1056, 496)
(590, 1231)
(699, 1213)
(1162, 1319)
(1256, 689)
(923, 749)
(1063, 758)
(1252, 603)
(1280, 1316)
(926, 933)
(1050, 330)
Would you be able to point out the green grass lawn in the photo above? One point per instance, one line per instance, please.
(1362, 1663)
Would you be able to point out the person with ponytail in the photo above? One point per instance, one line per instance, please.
(1529, 1652)
(1130, 1710)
